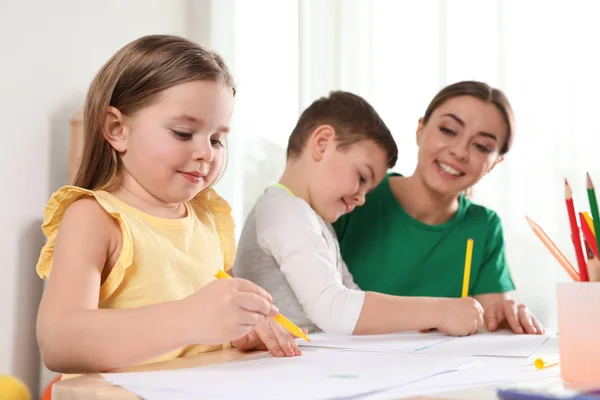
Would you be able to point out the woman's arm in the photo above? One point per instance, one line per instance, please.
(501, 311)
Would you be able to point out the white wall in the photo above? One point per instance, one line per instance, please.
(49, 52)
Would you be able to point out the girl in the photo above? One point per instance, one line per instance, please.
(134, 246)
(409, 238)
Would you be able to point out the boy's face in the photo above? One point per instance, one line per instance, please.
(344, 176)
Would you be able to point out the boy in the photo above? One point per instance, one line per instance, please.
(339, 150)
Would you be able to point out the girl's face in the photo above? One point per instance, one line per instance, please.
(173, 148)
(460, 143)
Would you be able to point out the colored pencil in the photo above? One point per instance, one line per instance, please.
(593, 207)
(588, 235)
(545, 362)
(589, 221)
(594, 269)
(588, 252)
(467, 272)
(555, 251)
(575, 235)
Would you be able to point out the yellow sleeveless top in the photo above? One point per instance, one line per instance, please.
(161, 259)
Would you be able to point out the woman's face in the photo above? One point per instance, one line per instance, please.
(459, 144)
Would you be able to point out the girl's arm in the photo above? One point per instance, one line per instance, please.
(76, 337)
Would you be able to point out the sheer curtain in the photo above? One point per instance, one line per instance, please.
(540, 54)
(398, 54)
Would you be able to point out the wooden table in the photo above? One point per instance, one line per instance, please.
(94, 387)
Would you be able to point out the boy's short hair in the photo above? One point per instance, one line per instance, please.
(353, 119)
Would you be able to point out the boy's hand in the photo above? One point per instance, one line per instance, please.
(226, 309)
(508, 314)
(460, 317)
(269, 335)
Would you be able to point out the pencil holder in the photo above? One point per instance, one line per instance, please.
(578, 306)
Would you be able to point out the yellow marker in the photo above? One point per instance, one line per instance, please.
(541, 363)
(280, 319)
(467, 275)
(589, 221)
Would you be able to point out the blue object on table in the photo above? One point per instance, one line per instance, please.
(569, 394)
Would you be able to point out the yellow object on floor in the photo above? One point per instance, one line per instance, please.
(12, 388)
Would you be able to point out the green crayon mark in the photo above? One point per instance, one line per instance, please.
(343, 376)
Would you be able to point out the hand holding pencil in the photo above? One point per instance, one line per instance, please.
(463, 316)
(283, 321)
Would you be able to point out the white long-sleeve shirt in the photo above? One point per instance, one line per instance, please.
(286, 248)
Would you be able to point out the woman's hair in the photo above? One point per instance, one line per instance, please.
(483, 92)
(130, 80)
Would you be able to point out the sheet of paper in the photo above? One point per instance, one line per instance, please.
(504, 344)
(489, 372)
(318, 374)
(155, 394)
(405, 342)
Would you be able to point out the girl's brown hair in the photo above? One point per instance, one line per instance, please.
(130, 80)
(483, 92)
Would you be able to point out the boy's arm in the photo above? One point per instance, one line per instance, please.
(73, 334)
(289, 231)
(383, 313)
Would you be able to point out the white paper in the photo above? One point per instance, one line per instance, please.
(490, 344)
(505, 344)
(317, 374)
(406, 342)
(488, 373)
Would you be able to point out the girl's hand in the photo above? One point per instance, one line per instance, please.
(226, 309)
(509, 314)
(269, 335)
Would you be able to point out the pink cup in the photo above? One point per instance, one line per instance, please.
(578, 305)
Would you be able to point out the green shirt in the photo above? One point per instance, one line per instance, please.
(388, 251)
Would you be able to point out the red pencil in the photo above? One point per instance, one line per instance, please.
(575, 235)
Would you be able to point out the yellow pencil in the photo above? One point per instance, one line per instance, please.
(467, 274)
(280, 319)
(541, 363)
(589, 221)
